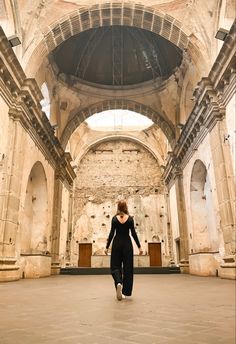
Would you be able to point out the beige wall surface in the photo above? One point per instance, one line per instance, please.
(230, 136)
(52, 200)
(203, 218)
(111, 171)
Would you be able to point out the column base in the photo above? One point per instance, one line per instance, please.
(35, 265)
(228, 268)
(184, 266)
(55, 268)
(204, 263)
(9, 271)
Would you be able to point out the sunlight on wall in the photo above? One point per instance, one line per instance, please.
(45, 102)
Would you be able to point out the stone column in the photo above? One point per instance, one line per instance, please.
(57, 203)
(169, 230)
(10, 199)
(183, 231)
(225, 188)
(69, 229)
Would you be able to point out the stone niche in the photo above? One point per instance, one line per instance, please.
(114, 170)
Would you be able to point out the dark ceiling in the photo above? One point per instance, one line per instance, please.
(117, 55)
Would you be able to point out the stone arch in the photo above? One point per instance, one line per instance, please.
(109, 13)
(147, 111)
(156, 155)
(35, 218)
(205, 237)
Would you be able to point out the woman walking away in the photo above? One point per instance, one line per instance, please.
(122, 250)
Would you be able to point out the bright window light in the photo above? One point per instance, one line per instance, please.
(114, 120)
(45, 102)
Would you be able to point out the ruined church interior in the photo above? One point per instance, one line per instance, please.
(102, 101)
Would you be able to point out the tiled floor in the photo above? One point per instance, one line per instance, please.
(164, 309)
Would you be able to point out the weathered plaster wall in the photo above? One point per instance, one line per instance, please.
(40, 242)
(7, 17)
(207, 235)
(3, 154)
(113, 170)
(227, 14)
(64, 226)
(3, 135)
(231, 127)
(172, 101)
(27, 155)
(67, 101)
(174, 222)
(152, 138)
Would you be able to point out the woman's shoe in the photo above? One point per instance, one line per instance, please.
(119, 291)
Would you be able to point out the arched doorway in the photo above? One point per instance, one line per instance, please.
(34, 238)
(205, 246)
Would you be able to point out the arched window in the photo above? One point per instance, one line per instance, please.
(45, 102)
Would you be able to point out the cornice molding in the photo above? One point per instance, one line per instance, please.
(23, 97)
(211, 96)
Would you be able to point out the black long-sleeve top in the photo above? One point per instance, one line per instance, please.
(122, 230)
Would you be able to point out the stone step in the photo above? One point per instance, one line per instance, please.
(106, 271)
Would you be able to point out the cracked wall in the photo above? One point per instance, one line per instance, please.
(113, 170)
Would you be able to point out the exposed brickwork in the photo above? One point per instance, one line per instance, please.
(118, 167)
(113, 170)
(116, 14)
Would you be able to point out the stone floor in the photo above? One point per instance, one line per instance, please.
(164, 309)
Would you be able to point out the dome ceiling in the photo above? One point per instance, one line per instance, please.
(117, 55)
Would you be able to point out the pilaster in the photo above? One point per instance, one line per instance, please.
(70, 228)
(57, 204)
(225, 188)
(183, 230)
(10, 201)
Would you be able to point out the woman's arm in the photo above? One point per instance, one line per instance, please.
(111, 235)
(134, 235)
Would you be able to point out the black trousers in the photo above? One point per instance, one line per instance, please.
(122, 265)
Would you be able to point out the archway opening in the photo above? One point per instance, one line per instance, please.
(77, 118)
(34, 238)
(205, 241)
(198, 188)
(118, 120)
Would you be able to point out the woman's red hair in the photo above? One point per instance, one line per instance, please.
(122, 208)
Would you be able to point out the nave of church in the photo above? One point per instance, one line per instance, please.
(102, 101)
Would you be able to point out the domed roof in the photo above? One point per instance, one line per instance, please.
(117, 55)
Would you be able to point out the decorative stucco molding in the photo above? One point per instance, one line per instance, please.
(23, 97)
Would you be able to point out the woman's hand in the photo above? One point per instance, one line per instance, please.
(106, 251)
(140, 251)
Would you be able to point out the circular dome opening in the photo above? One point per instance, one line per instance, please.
(117, 56)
